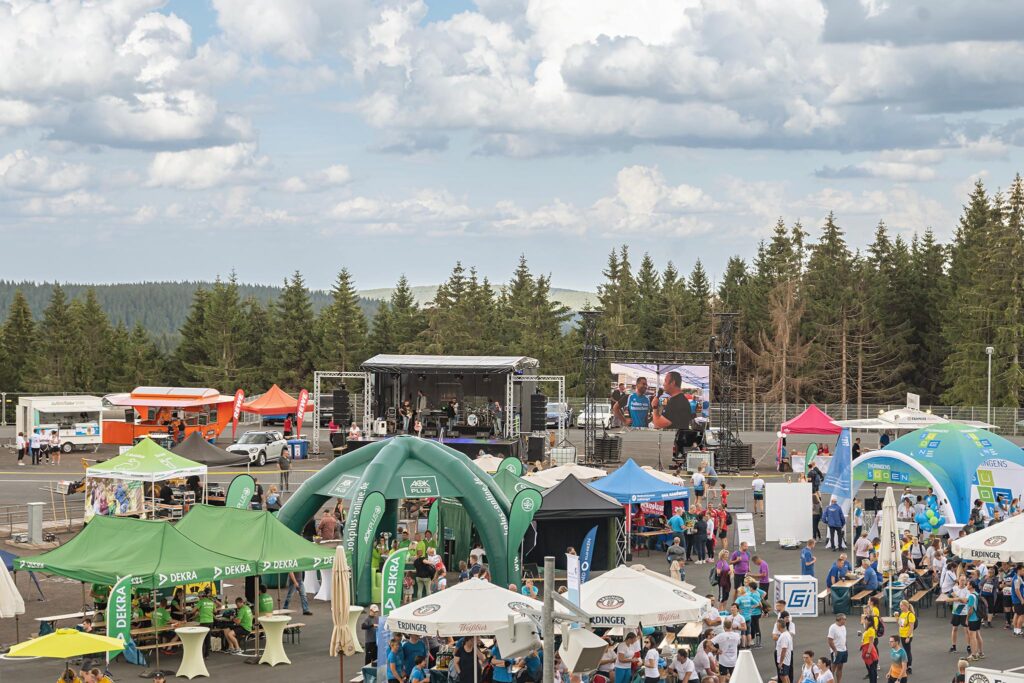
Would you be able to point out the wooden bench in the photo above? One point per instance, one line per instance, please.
(919, 596)
(942, 601)
(170, 643)
(823, 597)
(862, 597)
(294, 632)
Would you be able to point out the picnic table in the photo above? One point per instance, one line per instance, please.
(842, 593)
(70, 615)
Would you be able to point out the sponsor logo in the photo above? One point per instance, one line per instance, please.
(984, 554)
(605, 620)
(518, 606)
(281, 564)
(683, 595)
(422, 487)
(670, 617)
(800, 599)
(979, 678)
(231, 570)
(471, 628)
(610, 602)
(993, 541)
(409, 627)
(32, 565)
(178, 577)
(527, 504)
(425, 610)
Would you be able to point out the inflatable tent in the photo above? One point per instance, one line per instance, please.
(960, 462)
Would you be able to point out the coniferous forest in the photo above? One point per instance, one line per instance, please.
(819, 321)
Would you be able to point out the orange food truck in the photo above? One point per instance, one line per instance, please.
(148, 410)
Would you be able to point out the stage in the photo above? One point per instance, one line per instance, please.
(468, 445)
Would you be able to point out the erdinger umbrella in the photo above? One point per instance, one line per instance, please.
(627, 596)
(1001, 542)
(469, 608)
(889, 550)
(746, 669)
(342, 642)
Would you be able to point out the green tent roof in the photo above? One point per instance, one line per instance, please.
(154, 553)
(510, 484)
(256, 536)
(146, 461)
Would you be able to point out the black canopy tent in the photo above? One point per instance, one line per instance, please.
(198, 449)
(570, 510)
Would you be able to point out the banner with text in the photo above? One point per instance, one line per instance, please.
(392, 576)
(240, 490)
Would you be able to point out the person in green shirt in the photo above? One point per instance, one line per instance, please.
(418, 546)
(242, 628)
(205, 609)
(266, 603)
(161, 619)
(404, 542)
(428, 540)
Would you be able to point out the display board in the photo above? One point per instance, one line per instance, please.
(787, 511)
(976, 675)
(744, 525)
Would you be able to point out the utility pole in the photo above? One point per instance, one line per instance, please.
(988, 411)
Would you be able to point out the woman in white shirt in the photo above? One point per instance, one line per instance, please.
(825, 675)
(54, 457)
(810, 671)
(698, 485)
(652, 672)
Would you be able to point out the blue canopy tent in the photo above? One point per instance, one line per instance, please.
(631, 485)
(8, 560)
(960, 462)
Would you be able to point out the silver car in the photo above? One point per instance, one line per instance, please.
(260, 447)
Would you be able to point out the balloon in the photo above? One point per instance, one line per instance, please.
(921, 518)
(925, 527)
(941, 521)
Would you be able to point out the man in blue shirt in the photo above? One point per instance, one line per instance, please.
(411, 649)
(838, 571)
(639, 405)
(835, 519)
(502, 672)
(871, 580)
(807, 559)
(396, 667)
(1017, 597)
(676, 523)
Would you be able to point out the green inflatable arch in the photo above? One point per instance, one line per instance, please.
(405, 467)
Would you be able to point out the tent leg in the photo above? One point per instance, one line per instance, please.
(153, 602)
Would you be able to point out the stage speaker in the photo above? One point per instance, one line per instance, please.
(535, 449)
(518, 641)
(581, 650)
(538, 412)
(341, 408)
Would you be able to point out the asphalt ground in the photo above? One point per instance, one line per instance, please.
(18, 485)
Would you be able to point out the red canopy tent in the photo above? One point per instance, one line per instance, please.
(275, 401)
(811, 421)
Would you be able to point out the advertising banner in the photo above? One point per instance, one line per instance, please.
(300, 411)
(236, 411)
(838, 481)
(587, 553)
(573, 578)
(240, 490)
(119, 620)
(110, 497)
(524, 507)
(392, 576)
(370, 514)
(513, 465)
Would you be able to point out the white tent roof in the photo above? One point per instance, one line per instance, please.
(469, 608)
(746, 669)
(630, 596)
(664, 476)
(1002, 542)
(549, 477)
(488, 463)
(904, 419)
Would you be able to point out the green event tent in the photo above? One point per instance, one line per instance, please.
(146, 461)
(154, 553)
(255, 536)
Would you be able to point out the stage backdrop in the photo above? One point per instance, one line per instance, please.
(787, 511)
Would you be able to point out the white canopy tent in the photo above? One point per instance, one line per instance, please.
(1002, 542)
(631, 596)
(904, 419)
(549, 477)
(469, 608)
(664, 476)
(488, 463)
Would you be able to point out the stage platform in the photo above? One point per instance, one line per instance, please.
(469, 445)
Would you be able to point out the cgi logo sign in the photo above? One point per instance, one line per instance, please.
(800, 599)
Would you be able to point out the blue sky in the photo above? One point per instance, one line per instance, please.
(142, 139)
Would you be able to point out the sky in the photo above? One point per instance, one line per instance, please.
(184, 139)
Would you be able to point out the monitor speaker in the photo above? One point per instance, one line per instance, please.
(341, 408)
(518, 641)
(581, 650)
(538, 412)
(535, 448)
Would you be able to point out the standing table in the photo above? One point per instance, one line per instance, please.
(192, 663)
(353, 624)
(273, 653)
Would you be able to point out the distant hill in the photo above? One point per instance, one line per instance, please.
(575, 299)
(161, 307)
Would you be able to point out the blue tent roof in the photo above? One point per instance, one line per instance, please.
(952, 453)
(630, 484)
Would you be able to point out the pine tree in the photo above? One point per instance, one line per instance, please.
(222, 337)
(382, 337)
(927, 299)
(291, 351)
(782, 348)
(1004, 265)
(341, 328)
(255, 345)
(20, 345)
(191, 350)
(90, 332)
(649, 311)
(674, 294)
(616, 298)
(56, 344)
(145, 366)
(407, 317)
(698, 309)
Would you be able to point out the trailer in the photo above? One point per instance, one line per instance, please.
(77, 419)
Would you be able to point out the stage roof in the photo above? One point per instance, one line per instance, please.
(443, 365)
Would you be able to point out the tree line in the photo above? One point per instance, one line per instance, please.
(818, 321)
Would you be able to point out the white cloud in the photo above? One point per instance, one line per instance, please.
(73, 204)
(19, 170)
(198, 169)
(332, 176)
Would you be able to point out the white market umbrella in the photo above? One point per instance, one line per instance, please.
(889, 550)
(343, 643)
(1001, 542)
(11, 602)
(664, 476)
(549, 477)
(746, 669)
(663, 577)
(626, 596)
(488, 463)
(469, 608)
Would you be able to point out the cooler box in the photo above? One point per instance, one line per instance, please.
(298, 449)
(800, 593)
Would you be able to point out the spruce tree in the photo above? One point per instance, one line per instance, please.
(191, 351)
(649, 306)
(697, 312)
(91, 334)
(291, 351)
(56, 344)
(341, 328)
(407, 317)
(20, 345)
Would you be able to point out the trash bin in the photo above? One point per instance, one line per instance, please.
(298, 448)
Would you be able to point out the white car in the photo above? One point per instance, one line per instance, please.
(261, 447)
(601, 416)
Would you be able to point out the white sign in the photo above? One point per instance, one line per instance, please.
(976, 675)
(914, 401)
(745, 529)
(800, 593)
(572, 578)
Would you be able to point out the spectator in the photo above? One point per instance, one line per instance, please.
(368, 626)
(837, 645)
(838, 571)
(868, 651)
(327, 528)
(757, 486)
(807, 559)
(284, 466)
(295, 585)
(961, 672)
(898, 667)
(784, 653)
(740, 562)
(836, 521)
(728, 644)
(906, 622)
(22, 444)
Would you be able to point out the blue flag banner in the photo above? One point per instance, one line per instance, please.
(838, 482)
(587, 554)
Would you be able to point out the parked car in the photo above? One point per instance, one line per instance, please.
(551, 415)
(601, 417)
(260, 447)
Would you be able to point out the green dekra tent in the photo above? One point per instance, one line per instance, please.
(255, 536)
(154, 553)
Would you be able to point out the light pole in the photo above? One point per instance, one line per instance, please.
(988, 409)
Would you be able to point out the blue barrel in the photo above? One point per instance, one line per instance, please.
(298, 448)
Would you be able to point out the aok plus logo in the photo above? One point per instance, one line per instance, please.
(800, 599)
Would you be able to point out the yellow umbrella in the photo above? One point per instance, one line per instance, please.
(342, 642)
(65, 643)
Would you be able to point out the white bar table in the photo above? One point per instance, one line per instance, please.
(274, 653)
(192, 663)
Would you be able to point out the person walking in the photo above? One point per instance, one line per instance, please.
(757, 486)
(284, 466)
(784, 653)
(868, 651)
(959, 597)
(698, 482)
(675, 555)
(836, 521)
(837, 646)
(974, 622)
(807, 559)
(296, 585)
(898, 667)
(816, 517)
(22, 444)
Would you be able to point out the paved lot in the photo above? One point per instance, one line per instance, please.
(932, 662)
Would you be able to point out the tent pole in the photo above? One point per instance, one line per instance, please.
(154, 603)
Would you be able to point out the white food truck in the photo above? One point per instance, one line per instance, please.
(76, 419)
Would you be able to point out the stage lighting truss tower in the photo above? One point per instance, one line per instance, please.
(721, 357)
(511, 429)
(318, 375)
